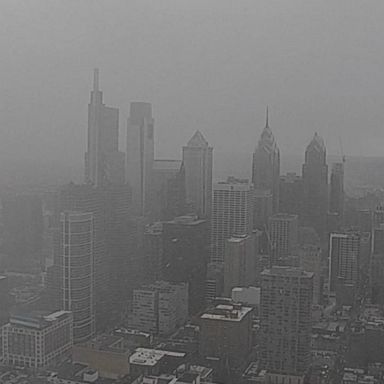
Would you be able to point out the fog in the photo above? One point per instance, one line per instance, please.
(210, 65)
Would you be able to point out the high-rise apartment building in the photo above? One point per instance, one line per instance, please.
(266, 165)
(336, 193)
(160, 307)
(226, 334)
(239, 262)
(283, 235)
(285, 321)
(4, 300)
(344, 259)
(77, 272)
(103, 161)
(315, 180)
(140, 155)
(185, 256)
(376, 275)
(36, 340)
(231, 214)
(197, 159)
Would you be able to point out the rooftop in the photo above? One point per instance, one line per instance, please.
(150, 357)
(227, 312)
(286, 271)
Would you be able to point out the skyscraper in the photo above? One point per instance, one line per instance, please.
(197, 159)
(266, 165)
(168, 198)
(291, 193)
(185, 256)
(283, 234)
(285, 321)
(140, 155)
(336, 193)
(103, 161)
(315, 179)
(239, 263)
(231, 214)
(76, 269)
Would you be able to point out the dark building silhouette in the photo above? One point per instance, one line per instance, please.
(315, 180)
(185, 256)
(140, 155)
(23, 231)
(103, 161)
(266, 165)
(168, 189)
(291, 193)
(4, 300)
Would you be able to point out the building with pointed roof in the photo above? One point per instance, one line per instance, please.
(266, 165)
(104, 163)
(198, 159)
(315, 184)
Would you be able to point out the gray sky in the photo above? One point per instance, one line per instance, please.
(211, 65)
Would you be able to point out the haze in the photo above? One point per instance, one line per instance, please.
(209, 65)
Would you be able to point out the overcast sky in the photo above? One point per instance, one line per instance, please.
(211, 65)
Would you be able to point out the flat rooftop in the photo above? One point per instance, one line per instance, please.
(150, 357)
(286, 271)
(227, 312)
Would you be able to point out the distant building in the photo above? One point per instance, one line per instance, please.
(153, 252)
(249, 296)
(336, 194)
(266, 165)
(168, 198)
(103, 162)
(198, 159)
(376, 275)
(262, 208)
(231, 214)
(185, 256)
(285, 316)
(239, 262)
(140, 155)
(23, 231)
(76, 267)
(291, 193)
(315, 180)
(4, 300)
(310, 261)
(225, 333)
(160, 308)
(283, 234)
(35, 340)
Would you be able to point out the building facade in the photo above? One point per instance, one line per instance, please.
(37, 340)
(103, 161)
(140, 155)
(266, 165)
(78, 282)
(315, 183)
(285, 320)
(198, 160)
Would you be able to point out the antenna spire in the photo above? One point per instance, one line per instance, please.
(96, 79)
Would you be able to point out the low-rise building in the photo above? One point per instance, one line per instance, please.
(37, 340)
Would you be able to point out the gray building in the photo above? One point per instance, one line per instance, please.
(197, 159)
(285, 320)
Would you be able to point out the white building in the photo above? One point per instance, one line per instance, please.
(35, 340)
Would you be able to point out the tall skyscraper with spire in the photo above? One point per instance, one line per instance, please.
(266, 165)
(315, 184)
(197, 159)
(140, 155)
(104, 164)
